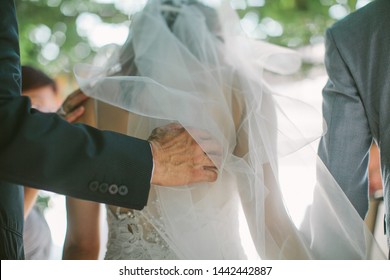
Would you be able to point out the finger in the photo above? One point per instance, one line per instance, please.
(74, 115)
(79, 97)
(165, 133)
(206, 141)
(211, 147)
(198, 133)
(200, 153)
(173, 126)
(217, 160)
(204, 160)
(176, 139)
(204, 175)
(74, 100)
(211, 168)
(169, 129)
(75, 93)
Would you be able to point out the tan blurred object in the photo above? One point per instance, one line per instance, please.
(89, 117)
(375, 188)
(73, 106)
(374, 171)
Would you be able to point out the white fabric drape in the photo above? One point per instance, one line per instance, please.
(202, 72)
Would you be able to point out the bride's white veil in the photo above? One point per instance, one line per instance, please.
(192, 64)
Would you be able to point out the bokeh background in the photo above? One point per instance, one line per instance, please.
(57, 34)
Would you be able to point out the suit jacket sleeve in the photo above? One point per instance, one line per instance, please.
(345, 147)
(44, 151)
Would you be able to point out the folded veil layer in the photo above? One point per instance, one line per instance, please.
(205, 74)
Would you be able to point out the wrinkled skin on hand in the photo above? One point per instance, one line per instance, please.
(178, 159)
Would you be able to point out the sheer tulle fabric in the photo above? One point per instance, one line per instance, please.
(202, 72)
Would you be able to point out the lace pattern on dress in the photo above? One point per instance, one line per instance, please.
(131, 236)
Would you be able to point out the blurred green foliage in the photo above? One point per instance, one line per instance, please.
(58, 17)
(303, 21)
(43, 202)
(50, 39)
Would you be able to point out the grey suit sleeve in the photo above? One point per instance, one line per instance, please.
(44, 151)
(345, 147)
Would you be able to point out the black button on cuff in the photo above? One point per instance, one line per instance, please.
(93, 186)
(113, 189)
(103, 187)
(123, 190)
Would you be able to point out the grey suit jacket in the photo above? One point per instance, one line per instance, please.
(356, 101)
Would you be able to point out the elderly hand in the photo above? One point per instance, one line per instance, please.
(72, 108)
(178, 159)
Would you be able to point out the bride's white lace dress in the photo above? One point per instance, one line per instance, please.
(191, 64)
(131, 236)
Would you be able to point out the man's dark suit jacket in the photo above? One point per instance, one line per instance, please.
(43, 151)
